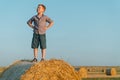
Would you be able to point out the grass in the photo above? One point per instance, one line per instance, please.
(101, 79)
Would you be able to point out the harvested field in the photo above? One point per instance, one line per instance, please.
(101, 79)
(56, 70)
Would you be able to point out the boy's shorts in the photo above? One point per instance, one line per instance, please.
(38, 39)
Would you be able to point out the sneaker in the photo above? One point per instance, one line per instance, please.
(42, 59)
(34, 60)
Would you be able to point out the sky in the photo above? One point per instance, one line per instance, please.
(85, 32)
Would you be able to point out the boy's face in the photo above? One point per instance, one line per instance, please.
(40, 9)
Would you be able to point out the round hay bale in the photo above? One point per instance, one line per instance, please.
(14, 71)
(103, 70)
(82, 72)
(111, 71)
(108, 71)
(50, 70)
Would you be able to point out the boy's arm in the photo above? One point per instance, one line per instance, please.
(29, 22)
(50, 25)
(51, 22)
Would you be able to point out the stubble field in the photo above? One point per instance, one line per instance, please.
(84, 72)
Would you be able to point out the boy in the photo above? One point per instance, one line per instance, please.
(39, 23)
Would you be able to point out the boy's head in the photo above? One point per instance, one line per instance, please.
(41, 8)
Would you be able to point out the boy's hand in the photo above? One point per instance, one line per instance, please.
(45, 28)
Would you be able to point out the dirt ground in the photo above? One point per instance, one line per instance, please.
(96, 75)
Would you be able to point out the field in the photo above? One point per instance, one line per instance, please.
(99, 72)
(101, 79)
(93, 72)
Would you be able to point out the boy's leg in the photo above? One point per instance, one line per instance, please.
(35, 52)
(43, 51)
(43, 46)
(34, 45)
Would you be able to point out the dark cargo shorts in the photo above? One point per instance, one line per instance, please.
(39, 39)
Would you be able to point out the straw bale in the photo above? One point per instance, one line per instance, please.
(51, 70)
(111, 72)
(82, 72)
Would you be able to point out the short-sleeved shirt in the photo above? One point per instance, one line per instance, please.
(39, 24)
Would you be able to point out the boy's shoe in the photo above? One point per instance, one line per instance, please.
(42, 59)
(34, 60)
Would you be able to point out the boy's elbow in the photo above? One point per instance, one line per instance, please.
(28, 22)
(52, 22)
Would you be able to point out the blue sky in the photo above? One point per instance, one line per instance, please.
(85, 32)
